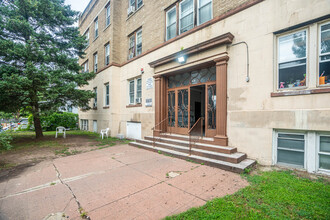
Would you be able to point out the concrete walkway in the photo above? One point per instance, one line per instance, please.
(119, 182)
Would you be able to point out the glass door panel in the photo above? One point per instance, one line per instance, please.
(183, 105)
(171, 109)
(211, 110)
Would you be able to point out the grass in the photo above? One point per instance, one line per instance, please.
(271, 195)
(66, 152)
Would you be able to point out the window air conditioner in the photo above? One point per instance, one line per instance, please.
(130, 10)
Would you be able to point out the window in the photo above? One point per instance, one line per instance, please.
(134, 5)
(139, 3)
(107, 96)
(290, 149)
(292, 59)
(131, 92)
(135, 91)
(96, 28)
(135, 44)
(204, 11)
(186, 15)
(85, 67)
(107, 53)
(171, 23)
(107, 15)
(324, 55)
(95, 98)
(84, 124)
(139, 42)
(95, 62)
(87, 37)
(324, 153)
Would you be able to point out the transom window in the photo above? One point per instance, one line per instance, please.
(187, 16)
(135, 44)
(324, 56)
(194, 77)
(292, 59)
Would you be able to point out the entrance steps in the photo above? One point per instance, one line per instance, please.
(226, 158)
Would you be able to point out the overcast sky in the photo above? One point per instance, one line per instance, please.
(77, 5)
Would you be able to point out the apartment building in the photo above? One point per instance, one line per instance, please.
(248, 76)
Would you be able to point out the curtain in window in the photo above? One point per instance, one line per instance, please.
(187, 15)
(138, 88)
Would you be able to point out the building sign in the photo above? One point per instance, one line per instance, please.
(148, 102)
(149, 83)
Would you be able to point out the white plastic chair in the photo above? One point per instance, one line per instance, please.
(104, 132)
(60, 130)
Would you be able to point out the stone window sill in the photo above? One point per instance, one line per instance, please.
(300, 92)
(106, 107)
(132, 106)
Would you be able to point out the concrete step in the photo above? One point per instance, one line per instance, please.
(234, 167)
(202, 146)
(232, 158)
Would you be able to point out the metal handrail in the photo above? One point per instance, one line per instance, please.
(153, 136)
(194, 128)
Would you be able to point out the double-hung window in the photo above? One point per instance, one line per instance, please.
(87, 37)
(107, 53)
(131, 92)
(135, 91)
(134, 4)
(95, 62)
(107, 94)
(171, 23)
(292, 60)
(85, 67)
(96, 28)
(186, 15)
(84, 124)
(324, 54)
(95, 97)
(204, 11)
(135, 44)
(139, 42)
(107, 15)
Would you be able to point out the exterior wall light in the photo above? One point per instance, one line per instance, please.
(182, 59)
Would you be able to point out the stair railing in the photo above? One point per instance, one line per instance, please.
(195, 132)
(153, 136)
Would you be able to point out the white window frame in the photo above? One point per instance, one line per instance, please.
(106, 96)
(107, 15)
(85, 67)
(137, 4)
(278, 59)
(193, 12)
(319, 52)
(95, 58)
(84, 124)
(167, 25)
(318, 143)
(95, 97)
(130, 92)
(96, 27)
(198, 9)
(107, 54)
(86, 34)
(135, 92)
(275, 149)
(136, 42)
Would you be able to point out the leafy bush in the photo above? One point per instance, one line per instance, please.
(50, 122)
(5, 140)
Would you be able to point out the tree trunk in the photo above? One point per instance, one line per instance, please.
(37, 122)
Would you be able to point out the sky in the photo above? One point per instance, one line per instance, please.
(77, 5)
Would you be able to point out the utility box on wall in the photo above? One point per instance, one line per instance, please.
(133, 130)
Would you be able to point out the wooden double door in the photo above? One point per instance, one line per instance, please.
(186, 104)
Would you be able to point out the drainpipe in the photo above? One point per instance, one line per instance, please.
(247, 59)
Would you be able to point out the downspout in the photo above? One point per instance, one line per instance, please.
(247, 59)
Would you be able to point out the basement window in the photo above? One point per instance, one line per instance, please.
(291, 149)
(324, 153)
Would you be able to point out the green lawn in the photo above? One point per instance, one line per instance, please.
(271, 195)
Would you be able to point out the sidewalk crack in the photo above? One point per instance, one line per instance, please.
(80, 208)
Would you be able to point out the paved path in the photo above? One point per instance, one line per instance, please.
(120, 182)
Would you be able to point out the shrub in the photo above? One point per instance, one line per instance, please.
(50, 122)
(5, 140)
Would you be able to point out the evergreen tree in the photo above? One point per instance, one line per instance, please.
(39, 50)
